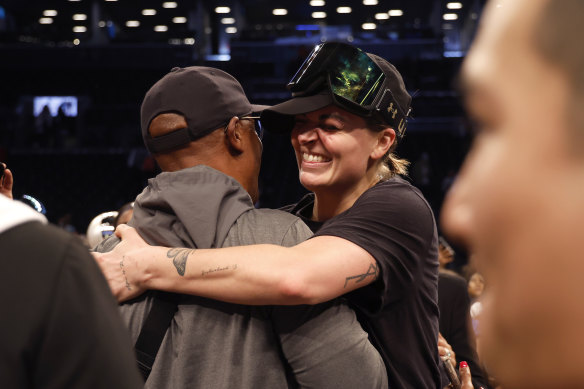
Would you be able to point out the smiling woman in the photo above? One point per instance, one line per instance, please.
(375, 237)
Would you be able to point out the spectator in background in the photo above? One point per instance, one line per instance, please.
(124, 214)
(457, 339)
(518, 202)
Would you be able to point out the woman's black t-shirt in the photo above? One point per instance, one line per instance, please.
(395, 224)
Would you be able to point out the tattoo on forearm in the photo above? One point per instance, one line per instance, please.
(179, 259)
(373, 271)
(218, 268)
(124, 273)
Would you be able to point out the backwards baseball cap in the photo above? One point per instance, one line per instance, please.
(207, 98)
(343, 75)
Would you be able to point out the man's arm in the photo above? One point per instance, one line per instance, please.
(313, 271)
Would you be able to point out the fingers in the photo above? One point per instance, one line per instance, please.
(6, 183)
(121, 230)
(465, 376)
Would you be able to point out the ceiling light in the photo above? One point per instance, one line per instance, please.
(49, 12)
(79, 29)
(179, 19)
(317, 3)
(148, 12)
(319, 15)
(76, 0)
(370, 2)
(280, 11)
(189, 41)
(79, 17)
(344, 10)
(169, 4)
(227, 20)
(231, 30)
(46, 20)
(132, 23)
(454, 5)
(222, 10)
(395, 12)
(105, 0)
(101, 23)
(160, 28)
(382, 16)
(76, 42)
(369, 26)
(450, 16)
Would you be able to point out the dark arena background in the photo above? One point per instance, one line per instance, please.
(73, 75)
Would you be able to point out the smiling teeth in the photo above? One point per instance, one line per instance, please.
(312, 157)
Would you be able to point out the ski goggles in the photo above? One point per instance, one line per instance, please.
(356, 82)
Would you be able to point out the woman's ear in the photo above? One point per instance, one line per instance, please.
(233, 134)
(385, 139)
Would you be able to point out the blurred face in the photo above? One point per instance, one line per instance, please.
(476, 285)
(519, 204)
(334, 151)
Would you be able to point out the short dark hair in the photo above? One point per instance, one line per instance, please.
(558, 39)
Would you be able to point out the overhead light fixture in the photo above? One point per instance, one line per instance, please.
(101, 23)
(189, 41)
(227, 21)
(148, 12)
(370, 2)
(344, 10)
(450, 16)
(132, 23)
(105, 0)
(79, 17)
(50, 12)
(231, 30)
(382, 16)
(369, 26)
(169, 4)
(395, 12)
(280, 11)
(222, 10)
(179, 19)
(46, 20)
(454, 5)
(319, 15)
(317, 3)
(160, 28)
(79, 29)
(76, 42)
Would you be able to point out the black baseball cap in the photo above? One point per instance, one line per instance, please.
(207, 98)
(343, 75)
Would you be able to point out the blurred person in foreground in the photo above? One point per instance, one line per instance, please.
(198, 124)
(518, 203)
(375, 236)
(60, 325)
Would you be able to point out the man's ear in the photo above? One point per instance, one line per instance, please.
(233, 134)
(385, 139)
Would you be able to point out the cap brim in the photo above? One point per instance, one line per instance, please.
(280, 117)
(256, 108)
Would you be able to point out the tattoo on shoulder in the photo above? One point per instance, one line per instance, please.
(372, 271)
(179, 258)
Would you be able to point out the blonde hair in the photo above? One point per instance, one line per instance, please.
(391, 164)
